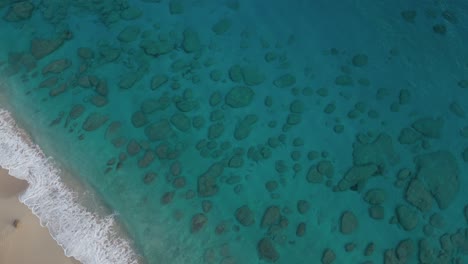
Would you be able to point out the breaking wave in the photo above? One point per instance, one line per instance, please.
(88, 237)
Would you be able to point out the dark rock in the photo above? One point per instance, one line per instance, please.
(207, 182)
(215, 130)
(407, 217)
(328, 256)
(239, 96)
(245, 216)
(349, 223)
(429, 127)
(49, 82)
(377, 212)
(267, 251)
(440, 29)
(149, 177)
(159, 131)
(198, 222)
(417, 195)
(76, 111)
(147, 159)
(244, 127)
(19, 11)
(178, 182)
(94, 121)
(302, 206)
(187, 105)
(113, 130)
(439, 172)
(313, 175)
(158, 80)
(167, 197)
(98, 101)
(360, 60)
(133, 147)
(101, 88)
(61, 88)
(43, 47)
(271, 216)
(191, 41)
(301, 229)
(207, 205)
(85, 53)
(181, 121)
(139, 119)
(284, 81)
(408, 15)
(56, 66)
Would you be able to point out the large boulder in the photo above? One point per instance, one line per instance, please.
(245, 216)
(19, 11)
(94, 121)
(239, 96)
(207, 182)
(439, 171)
(160, 130)
(191, 41)
(266, 250)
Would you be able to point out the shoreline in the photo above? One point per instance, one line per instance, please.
(22, 238)
(80, 232)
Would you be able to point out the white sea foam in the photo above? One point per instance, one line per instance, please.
(89, 238)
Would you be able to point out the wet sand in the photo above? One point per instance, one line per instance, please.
(22, 239)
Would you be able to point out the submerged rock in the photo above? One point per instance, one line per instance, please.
(56, 66)
(417, 195)
(49, 82)
(359, 60)
(221, 26)
(349, 223)
(139, 119)
(149, 177)
(129, 34)
(244, 127)
(146, 160)
(43, 47)
(357, 175)
(159, 131)
(98, 100)
(191, 41)
(113, 130)
(439, 171)
(19, 11)
(181, 121)
(429, 127)
(271, 216)
(285, 81)
(133, 147)
(198, 222)
(379, 152)
(239, 96)
(207, 182)
(158, 80)
(76, 111)
(267, 251)
(407, 217)
(94, 121)
(245, 216)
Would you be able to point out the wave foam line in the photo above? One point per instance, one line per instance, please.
(83, 235)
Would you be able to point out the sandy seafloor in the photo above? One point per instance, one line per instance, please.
(240, 131)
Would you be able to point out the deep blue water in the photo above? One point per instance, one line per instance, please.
(251, 131)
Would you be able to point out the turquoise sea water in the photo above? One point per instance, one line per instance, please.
(243, 131)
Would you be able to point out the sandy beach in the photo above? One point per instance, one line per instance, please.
(22, 239)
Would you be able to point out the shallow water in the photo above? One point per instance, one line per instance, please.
(246, 131)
